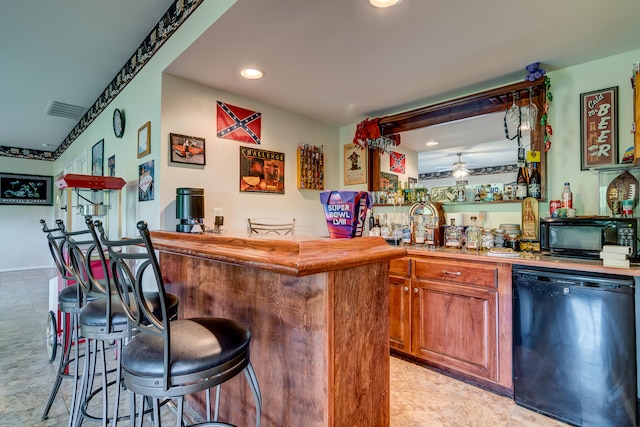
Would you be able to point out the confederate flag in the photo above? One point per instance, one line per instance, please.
(396, 162)
(238, 123)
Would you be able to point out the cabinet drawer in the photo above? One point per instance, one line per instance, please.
(400, 267)
(458, 272)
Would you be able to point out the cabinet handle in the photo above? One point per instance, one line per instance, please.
(455, 273)
(415, 290)
(406, 288)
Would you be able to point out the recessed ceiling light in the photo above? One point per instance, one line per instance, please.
(384, 3)
(431, 143)
(251, 73)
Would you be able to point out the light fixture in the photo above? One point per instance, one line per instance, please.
(384, 3)
(459, 173)
(251, 73)
(431, 143)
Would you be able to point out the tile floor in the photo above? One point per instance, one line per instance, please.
(419, 396)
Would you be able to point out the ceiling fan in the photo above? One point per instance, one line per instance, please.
(458, 169)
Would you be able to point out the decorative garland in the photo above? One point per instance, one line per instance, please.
(548, 130)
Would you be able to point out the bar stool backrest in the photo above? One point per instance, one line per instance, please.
(129, 260)
(56, 241)
(80, 255)
(270, 226)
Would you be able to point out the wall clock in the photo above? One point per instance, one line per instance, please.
(118, 123)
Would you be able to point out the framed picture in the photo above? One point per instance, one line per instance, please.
(18, 189)
(97, 155)
(186, 149)
(261, 171)
(144, 140)
(111, 165)
(388, 181)
(599, 128)
(355, 165)
(145, 181)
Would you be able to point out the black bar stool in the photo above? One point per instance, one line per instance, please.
(170, 359)
(70, 301)
(103, 321)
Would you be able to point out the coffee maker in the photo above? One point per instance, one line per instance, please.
(189, 208)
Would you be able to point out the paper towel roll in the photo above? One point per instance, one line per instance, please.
(458, 217)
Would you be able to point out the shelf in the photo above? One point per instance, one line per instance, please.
(494, 202)
(620, 167)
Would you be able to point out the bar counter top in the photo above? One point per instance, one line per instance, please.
(528, 259)
(290, 255)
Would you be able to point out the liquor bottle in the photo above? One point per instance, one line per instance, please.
(419, 232)
(566, 199)
(452, 236)
(529, 227)
(534, 182)
(474, 236)
(375, 230)
(522, 182)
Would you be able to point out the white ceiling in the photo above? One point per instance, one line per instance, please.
(338, 61)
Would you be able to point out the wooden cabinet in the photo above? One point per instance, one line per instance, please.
(459, 317)
(400, 304)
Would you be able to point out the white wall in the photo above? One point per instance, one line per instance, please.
(141, 102)
(564, 114)
(22, 242)
(189, 108)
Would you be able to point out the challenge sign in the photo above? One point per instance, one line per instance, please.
(345, 212)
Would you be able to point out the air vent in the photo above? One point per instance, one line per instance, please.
(68, 111)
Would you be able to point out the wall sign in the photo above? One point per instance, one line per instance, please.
(261, 171)
(25, 189)
(355, 165)
(599, 128)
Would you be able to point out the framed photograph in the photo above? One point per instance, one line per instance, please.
(145, 181)
(144, 140)
(411, 180)
(186, 149)
(355, 165)
(599, 128)
(261, 171)
(18, 189)
(97, 155)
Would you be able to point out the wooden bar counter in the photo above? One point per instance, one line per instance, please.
(318, 311)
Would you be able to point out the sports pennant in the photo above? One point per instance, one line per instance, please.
(238, 124)
(396, 162)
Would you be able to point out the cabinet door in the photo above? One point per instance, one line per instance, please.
(455, 326)
(400, 313)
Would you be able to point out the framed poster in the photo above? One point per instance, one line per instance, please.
(261, 171)
(97, 155)
(599, 128)
(355, 165)
(18, 189)
(145, 181)
(144, 140)
(186, 149)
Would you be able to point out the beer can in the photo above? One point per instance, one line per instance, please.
(554, 205)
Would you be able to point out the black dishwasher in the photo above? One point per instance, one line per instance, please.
(574, 346)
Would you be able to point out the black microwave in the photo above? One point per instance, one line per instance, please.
(584, 237)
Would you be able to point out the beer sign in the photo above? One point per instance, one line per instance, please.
(599, 128)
